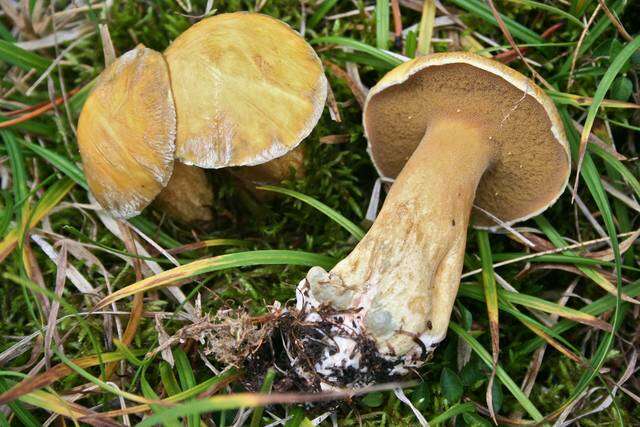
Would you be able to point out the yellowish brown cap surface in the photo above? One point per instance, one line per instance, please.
(532, 162)
(247, 88)
(126, 132)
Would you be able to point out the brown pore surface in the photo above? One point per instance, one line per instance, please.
(247, 90)
(126, 132)
(530, 165)
(188, 197)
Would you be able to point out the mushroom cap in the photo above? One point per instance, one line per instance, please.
(126, 132)
(247, 89)
(532, 161)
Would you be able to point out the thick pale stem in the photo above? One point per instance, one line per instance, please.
(188, 197)
(404, 275)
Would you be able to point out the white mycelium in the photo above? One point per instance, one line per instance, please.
(343, 351)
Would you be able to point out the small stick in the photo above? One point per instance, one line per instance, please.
(37, 111)
(397, 24)
(549, 252)
(615, 21)
(510, 55)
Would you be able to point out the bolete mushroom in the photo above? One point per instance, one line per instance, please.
(248, 89)
(455, 130)
(235, 89)
(126, 132)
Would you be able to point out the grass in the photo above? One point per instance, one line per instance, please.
(559, 347)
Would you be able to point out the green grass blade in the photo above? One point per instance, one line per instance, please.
(320, 13)
(596, 308)
(169, 381)
(149, 393)
(173, 389)
(536, 303)
(265, 388)
(590, 175)
(559, 259)
(490, 291)
(334, 215)
(603, 87)
(97, 381)
(61, 163)
(14, 55)
(482, 11)
(392, 61)
(457, 409)
(559, 241)
(20, 185)
(382, 24)
(222, 262)
(618, 166)
(25, 417)
(186, 377)
(500, 372)
(552, 9)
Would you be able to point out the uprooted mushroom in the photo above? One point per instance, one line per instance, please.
(456, 131)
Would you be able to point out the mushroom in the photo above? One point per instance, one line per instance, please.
(236, 89)
(455, 130)
(126, 132)
(248, 89)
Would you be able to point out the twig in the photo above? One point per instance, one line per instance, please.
(515, 46)
(615, 21)
(397, 23)
(549, 252)
(37, 112)
(574, 59)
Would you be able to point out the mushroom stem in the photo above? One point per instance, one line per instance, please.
(402, 278)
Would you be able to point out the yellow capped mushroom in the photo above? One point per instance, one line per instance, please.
(126, 132)
(248, 89)
(235, 89)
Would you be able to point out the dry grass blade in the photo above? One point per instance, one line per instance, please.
(55, 404)
(625, 245)
(138, 300)
(615, 21)
(358, 92)
(397, 23)
(252, 400)
(515, 47)
(586, 101)
(54, 374)
(49, 201)
(241, 259)
(491, 297)
(425, 33)
(34, 273)
(55, 305)
(555, 344)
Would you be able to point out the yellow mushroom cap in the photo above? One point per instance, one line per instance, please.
(532, 163)
(247, 89)
(126, 132)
